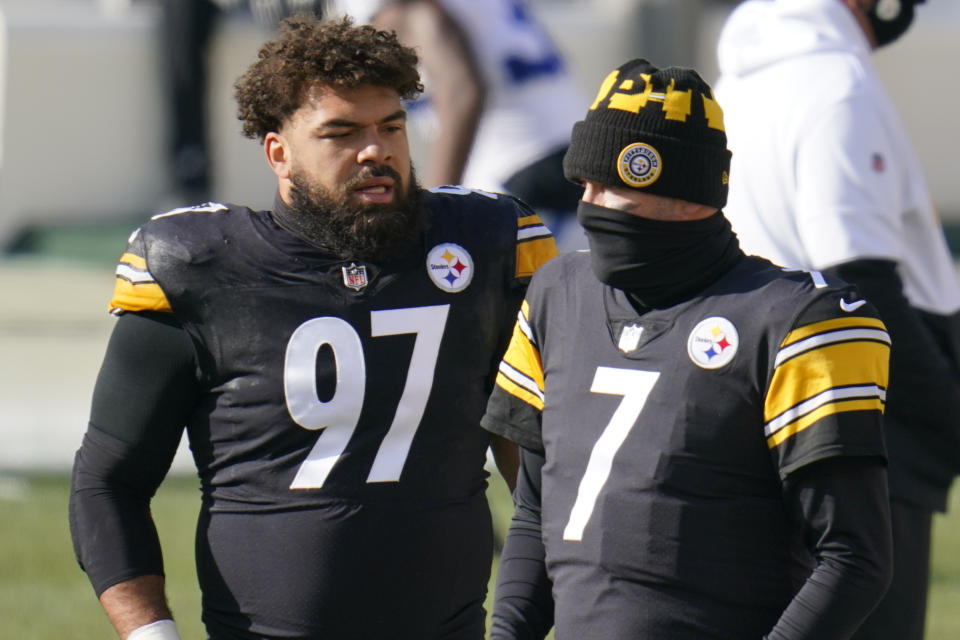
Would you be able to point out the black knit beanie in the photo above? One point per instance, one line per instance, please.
(654, 130)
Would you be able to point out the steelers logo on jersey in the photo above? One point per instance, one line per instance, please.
(450, 267)
(713, 343)
(639, 165)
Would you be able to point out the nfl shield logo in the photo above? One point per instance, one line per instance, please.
(355, 276)
(630, 338)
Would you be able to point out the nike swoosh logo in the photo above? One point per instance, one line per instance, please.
(851, 306)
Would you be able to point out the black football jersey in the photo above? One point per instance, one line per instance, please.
(667, 436)
(337, 438)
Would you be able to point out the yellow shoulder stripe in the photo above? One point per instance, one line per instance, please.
(870, 404)
(817, 370)
(521, 372)
(824, 379)
(128, 296)
(531, 255)
(830, 325)
(135, 288)
(535, 245)
(135, 261)
(519, 392)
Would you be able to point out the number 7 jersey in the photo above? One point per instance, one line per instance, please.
(667, 436)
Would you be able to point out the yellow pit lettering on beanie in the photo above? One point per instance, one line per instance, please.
(676, 103)
(713, 112)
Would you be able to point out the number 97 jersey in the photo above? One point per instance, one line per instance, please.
(341, 402)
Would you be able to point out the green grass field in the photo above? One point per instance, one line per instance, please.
(45, 596)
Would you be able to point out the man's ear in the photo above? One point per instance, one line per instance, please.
(277, 151)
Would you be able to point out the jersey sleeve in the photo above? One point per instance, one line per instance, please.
(145, 392)
(535, 243)
(514, 407)
(828, 386)
(135, 288)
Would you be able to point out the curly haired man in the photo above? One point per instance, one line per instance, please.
(330, 360)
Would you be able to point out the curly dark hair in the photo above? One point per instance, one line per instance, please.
(310, 52)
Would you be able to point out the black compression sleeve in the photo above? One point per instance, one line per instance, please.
(523, 604)
(144, 393)
(147, 383)
(842, 508)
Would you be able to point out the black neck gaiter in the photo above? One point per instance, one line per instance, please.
(658, 263)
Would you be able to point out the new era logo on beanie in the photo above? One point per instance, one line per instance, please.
(655, 130)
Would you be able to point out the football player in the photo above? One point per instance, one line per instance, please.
(330, 360)
(701, 430)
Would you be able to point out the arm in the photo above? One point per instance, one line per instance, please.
(507, 456)
(523, 603)
(850, 217)
(144, 392)
(924, 386)
(456, 85)
(841, 508)
(135, 603)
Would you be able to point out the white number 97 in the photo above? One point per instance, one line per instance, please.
(339, 415)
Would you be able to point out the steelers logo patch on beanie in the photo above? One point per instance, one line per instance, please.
(655, 130)
(639, 165)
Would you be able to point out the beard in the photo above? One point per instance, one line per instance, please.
(380, 233)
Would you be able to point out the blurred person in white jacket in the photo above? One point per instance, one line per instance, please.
(823, 177)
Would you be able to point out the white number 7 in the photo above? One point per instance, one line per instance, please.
(634, 386)
(339, 415)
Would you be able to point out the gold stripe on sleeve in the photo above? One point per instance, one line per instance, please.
(868, 404)
(817, 370)
(532, 254)
(519, 392)
(527, 221)
(133, 260)
(138, 297)
(523, 356)
(830, 325)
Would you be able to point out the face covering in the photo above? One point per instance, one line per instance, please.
(658, 263)
(890, 19)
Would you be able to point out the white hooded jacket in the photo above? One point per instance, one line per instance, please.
(823, 172)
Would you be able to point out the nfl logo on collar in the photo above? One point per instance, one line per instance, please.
(355, 276)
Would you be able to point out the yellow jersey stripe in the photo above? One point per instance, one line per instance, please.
(128, 296)
(132, 275)
(528, 221)
(524, 325)
(519, 379)
(831, 325)
(519, 392)
(133, 260)
(830, 395)
(822, 339)
(872, 404)
(531, 254)
(844, 364)
(524, 358)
